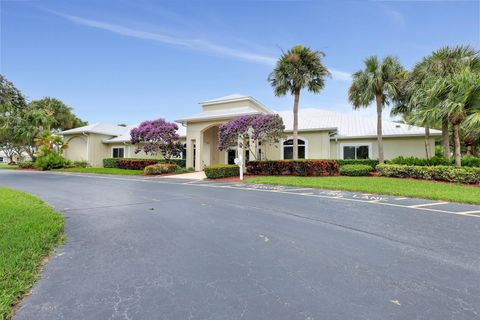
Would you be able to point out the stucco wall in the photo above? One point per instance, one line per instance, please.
(77, 148)
(392, 147)
(317, 146)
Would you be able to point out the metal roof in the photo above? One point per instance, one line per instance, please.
(99, 128)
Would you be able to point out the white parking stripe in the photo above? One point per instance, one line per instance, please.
(427, 204)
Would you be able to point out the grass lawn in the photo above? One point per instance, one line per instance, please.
(104, 171)
(381, 185)
(29, 230)
(6, 166)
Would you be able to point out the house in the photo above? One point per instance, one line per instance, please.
(16, 158)
(322, 135)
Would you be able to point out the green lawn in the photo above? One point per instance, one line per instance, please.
(29, 230)
(104, 171)
(381, 185)
(6, 166)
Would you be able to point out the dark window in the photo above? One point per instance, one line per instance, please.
(355, 152)
(1, 159)
(118, 152)
(232, 154)
(184, 151)
(288, 149)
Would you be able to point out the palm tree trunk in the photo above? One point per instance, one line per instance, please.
(295, 124)
(445, 139)
(456, 139)
(427, 142)
(379, 129)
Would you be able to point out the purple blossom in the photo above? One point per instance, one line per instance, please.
(156, 136)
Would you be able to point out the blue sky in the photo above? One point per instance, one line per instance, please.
(124, 61)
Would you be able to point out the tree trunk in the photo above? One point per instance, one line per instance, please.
(427, 142)
(456, 138)
(445, 139)
(295, 124)
(379, 101)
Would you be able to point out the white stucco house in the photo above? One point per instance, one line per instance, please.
(322, 135)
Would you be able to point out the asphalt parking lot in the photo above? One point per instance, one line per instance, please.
(142, 248)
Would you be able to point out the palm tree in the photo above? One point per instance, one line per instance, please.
(462, 103)
(442, 63)
(379, 82)
(297, 69)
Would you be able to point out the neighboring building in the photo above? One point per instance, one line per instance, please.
(5, 159)
(322, 135)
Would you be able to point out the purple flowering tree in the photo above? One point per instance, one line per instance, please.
(157, 137)
(267, 128)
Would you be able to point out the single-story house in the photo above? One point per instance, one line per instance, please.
(5, 159)
(322, 135)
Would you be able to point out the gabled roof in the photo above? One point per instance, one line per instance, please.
(348, 125)
(230, 97)
(221, 114)
(99, 128)
(125, 136)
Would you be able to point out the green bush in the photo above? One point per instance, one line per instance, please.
(439, 173)
(179, 162)
(50, 161)
(81, 164)
(293, 167)
(369, 162)
(222, 171)
(470, 161)
(110, 162)
(355, 170)
(113, 162)
(415, 161)
(160, 168)
(26, 165)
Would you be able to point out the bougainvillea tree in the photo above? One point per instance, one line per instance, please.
(157, 137)
(267, 128)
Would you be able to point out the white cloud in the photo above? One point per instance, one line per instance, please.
(193, 44)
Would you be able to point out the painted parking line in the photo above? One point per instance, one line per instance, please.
(427, 204)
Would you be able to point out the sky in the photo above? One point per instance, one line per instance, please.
(125, 61)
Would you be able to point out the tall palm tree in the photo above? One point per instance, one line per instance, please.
(462, 103)
(379, 82)
(443, 63)
(297, 69)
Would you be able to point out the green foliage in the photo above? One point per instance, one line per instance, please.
(29, 230)
(471, 162)
(81, 164)
(26, 165)
(355, 170)
(160, 168)
(114, 171)
(222, 171)
(50, 161)
(434, 161)
(438, 173)
(113, 162)
(369, 162)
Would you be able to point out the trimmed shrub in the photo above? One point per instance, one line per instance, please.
(110, 162)
(470, 161)
(51, 161)
(369, 162)
(160, 168)
(222, 171)
(414, 161)
(26, 165)
(179, 162)
(439, 173)
(81, 164)
(135, 164)
(355, 170)
(293, 167)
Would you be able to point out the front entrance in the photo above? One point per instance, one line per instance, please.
(231, 155)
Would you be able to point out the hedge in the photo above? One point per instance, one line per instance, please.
(26, 165)
(439, 173)
(222, 171)
(369, 162)
(113, 162)
(293, 167)
(434, 161)
(355, 170)
(160, 168)
(135, 164)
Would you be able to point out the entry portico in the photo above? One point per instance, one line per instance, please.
(202, 129)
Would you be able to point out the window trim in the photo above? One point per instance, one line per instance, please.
(355, 144)
(119, 148)
(291, 138)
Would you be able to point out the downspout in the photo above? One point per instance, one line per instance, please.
(88, 145)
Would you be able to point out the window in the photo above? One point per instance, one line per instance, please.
(184, 151)
(1, 159)
(288, 149)
(356, 152)
(118, 152)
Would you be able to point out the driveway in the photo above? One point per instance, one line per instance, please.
(143, 248)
